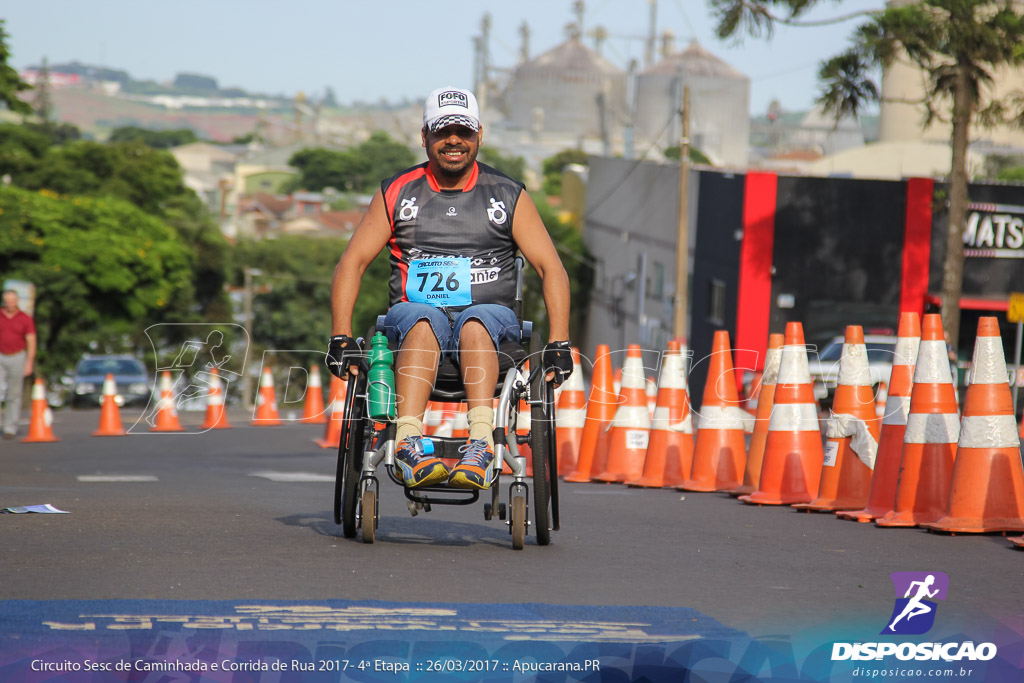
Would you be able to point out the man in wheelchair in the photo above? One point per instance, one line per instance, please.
(452, 227)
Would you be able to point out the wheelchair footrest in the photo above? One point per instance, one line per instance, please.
(442, 496)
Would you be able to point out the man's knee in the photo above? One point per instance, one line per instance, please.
(421, 337)
(475, 337)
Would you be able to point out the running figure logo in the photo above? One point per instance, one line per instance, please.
(914, 612)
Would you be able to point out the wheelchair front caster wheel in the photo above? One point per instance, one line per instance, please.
(518, 523)
(502, 511)
(369, 516)
(488, 511)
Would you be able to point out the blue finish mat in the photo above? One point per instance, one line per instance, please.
(255, 641)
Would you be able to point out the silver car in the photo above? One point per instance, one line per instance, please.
(824, 365)
(133, 382)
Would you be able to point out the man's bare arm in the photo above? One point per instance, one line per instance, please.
(370, 236)
(533, 240)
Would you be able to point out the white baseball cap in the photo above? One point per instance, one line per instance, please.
(447, 106)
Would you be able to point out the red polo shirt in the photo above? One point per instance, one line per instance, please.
(13, 331)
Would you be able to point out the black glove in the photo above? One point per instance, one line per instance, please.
(343, 353)
(557, 357)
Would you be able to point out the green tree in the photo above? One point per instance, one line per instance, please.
(957, 44)
(195, 83)
(512, 166)
(10, 82)
(1014, 174)
(553, 166)
(386, 158)
(359, 169)
(21, 149)
(696, 156)
(128, 170)
(292, 306)
(103, 271)
(577, 261)
(150, 179)
(157, 139)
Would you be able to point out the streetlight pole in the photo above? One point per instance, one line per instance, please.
(247, 303)
(683, 225)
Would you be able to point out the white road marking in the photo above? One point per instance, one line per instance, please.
(116, 477)
(292, 476)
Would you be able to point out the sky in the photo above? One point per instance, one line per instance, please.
(392, 49)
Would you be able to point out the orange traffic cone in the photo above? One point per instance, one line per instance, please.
(216, 414)
(752, 394)
(332, 433)
(460, 424)
(431, 418)
(166, 414)
(447, 411)
(670, 452)
(791, 467)
(40, 423)
(852, 433)
(652, 396)
(313, 409)
(720, 452)
(882, 493)
(266, 402)
(523, 422)
(570, 418)
(764, 397)
(929, 444)
(600, 412)
(110, 414)
(630, 429)
(881, 398)
(987, 491)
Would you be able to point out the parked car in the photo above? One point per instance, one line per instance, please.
(133, 382)
(824, 365)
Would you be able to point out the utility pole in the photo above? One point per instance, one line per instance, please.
(246, 377)
(683, 225)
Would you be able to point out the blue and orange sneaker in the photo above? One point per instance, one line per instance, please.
(419, 467)
(473, 469)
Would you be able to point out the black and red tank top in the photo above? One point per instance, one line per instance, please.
(437, 236)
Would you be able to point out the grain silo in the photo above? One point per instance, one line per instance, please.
(719, 105)
(569, 89)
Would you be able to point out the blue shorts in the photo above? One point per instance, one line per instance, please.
(500, 322)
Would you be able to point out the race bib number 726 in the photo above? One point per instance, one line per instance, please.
(440, 282)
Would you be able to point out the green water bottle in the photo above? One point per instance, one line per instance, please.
(381, 380)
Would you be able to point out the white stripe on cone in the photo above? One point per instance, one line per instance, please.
(855, 371)
(989, 366)
(793, 417)
(897, 410)
(571, 418)
(932, 428)
(632, 417)
(793, 367)
(661, 420)
(725, 417)
(989, 431)
(932, 364)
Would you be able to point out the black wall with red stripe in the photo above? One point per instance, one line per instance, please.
(830, 250)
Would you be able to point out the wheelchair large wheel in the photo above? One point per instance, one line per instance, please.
(350, 458)
(543, 452)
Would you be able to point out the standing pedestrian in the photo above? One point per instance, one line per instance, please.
(17, 355)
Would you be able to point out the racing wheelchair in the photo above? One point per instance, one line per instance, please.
(367, 447)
